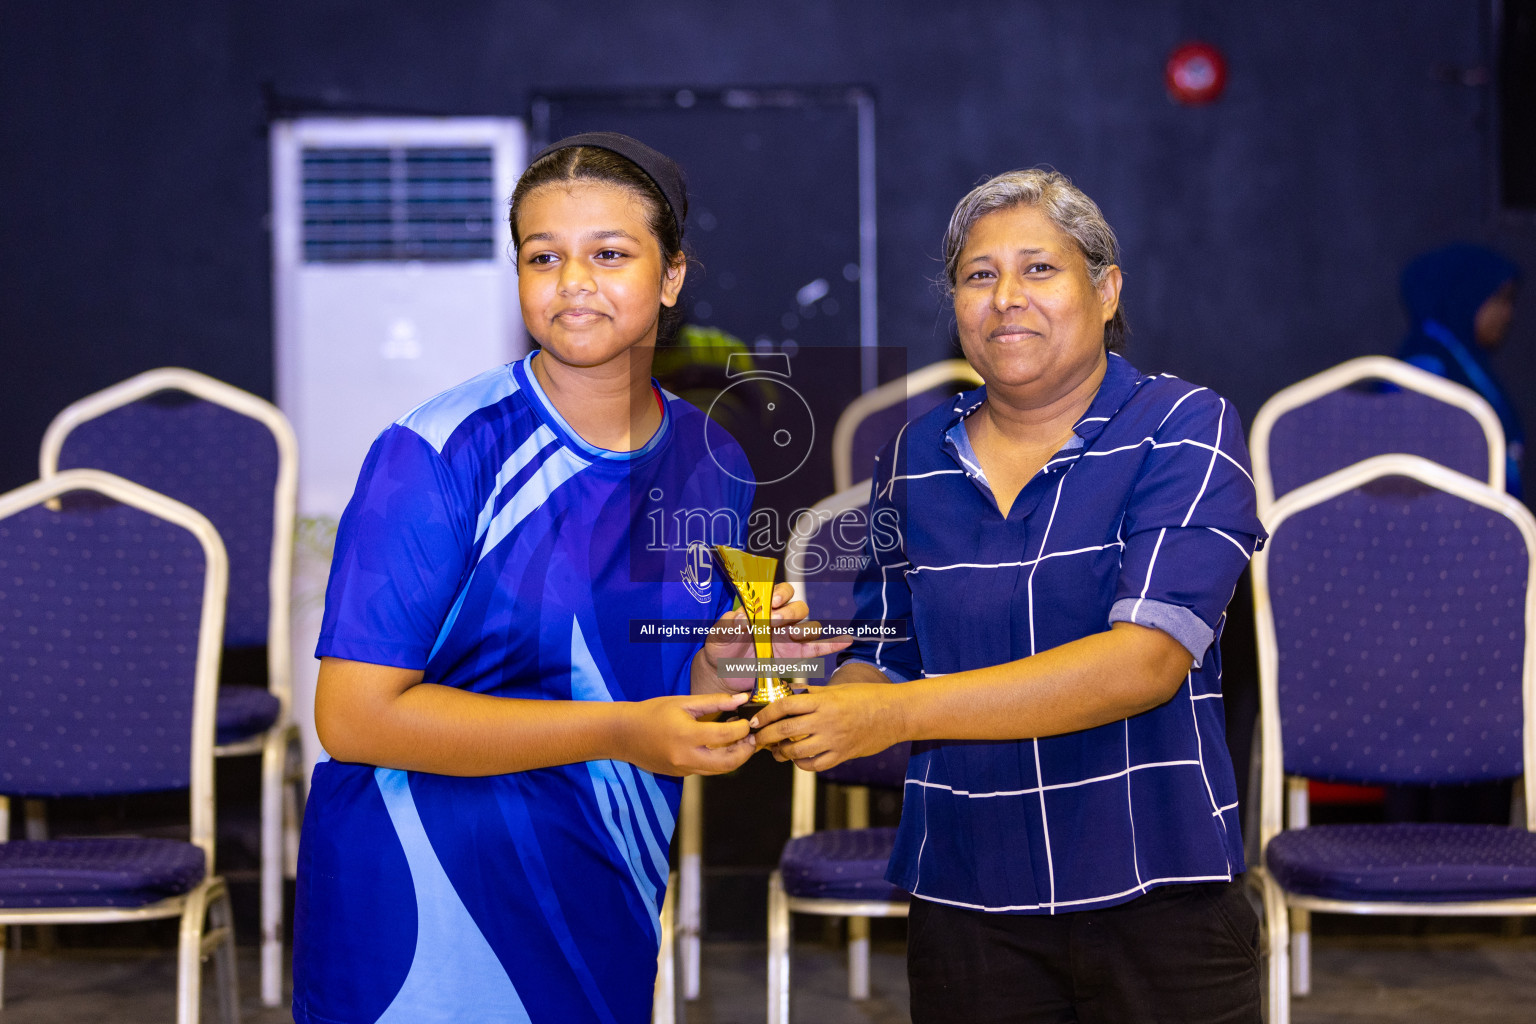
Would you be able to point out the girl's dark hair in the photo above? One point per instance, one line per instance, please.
(589, 163)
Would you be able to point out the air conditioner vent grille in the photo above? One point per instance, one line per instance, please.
(398, 204)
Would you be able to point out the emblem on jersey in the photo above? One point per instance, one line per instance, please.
(698, 571)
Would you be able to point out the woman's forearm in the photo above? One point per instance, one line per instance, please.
(1101, 678)
(1089, 682)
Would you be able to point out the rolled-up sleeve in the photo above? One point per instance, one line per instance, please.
(1191, 525)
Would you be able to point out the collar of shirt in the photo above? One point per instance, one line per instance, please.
(1121, 380)
(544, 407)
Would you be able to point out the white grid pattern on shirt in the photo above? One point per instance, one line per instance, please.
(1045, 821)
(1047, 787)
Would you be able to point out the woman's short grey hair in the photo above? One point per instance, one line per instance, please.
(1068, 208)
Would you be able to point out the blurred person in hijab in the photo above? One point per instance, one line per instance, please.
(1460, 300)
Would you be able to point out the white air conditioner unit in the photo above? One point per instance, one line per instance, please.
(392, 277)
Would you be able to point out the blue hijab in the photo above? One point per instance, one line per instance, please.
(1442, 292)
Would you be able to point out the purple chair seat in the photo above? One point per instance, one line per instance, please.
(97, 872)
(1421, 863)
(244, 712)
(840, 864)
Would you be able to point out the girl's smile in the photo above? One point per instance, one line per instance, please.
(591, 277)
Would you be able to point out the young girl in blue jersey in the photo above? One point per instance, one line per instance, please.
(489, 841)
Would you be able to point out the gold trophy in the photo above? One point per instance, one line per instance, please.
(752, 578)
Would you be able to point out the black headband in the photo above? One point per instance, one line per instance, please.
(666, 175)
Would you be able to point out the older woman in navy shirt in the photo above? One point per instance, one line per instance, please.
(1070, 534)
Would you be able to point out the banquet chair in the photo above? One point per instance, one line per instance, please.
(1394, 603)
(824, 545)
(874, 417)
(233, 457)
(111, 613)
(837, 872)
(833, 872)
(1373, 405)
(820, 561)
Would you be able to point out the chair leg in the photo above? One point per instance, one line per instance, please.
(664, 996)
(189, 957)
(778, 951)
(4, 932)
(35, 828)
(221, 919)
(293, 802)
(691, 882)
(273, 757)
(35, 817)
(1254, 796)
(858, 958)
(1277, 925)
(1301, 952)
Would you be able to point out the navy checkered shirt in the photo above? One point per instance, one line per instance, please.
(1146, 515)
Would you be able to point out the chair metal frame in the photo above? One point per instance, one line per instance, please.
(1353, 371)
(802, 819)
(1279, 793)
(890, 393)
(280, 803)
(210, 898)
(665, 1006)
(690, 884)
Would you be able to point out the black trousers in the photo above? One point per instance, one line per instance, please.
(1185, 954)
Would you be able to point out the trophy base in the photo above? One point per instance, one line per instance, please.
(745, 712)
(762, 696)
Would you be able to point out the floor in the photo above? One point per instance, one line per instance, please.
(1359, 979)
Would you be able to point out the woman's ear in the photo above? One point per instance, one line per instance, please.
(672, 280)
(1109, 292)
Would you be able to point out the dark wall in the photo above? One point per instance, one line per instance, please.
(1262, 234)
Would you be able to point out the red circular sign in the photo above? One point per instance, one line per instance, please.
(1196, 73)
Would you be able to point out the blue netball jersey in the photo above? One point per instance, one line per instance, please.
(492, 548)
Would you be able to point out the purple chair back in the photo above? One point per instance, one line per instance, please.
(100, 607)
(1354, 423)
(880, 426)
(220, 461)
(1399, 620)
